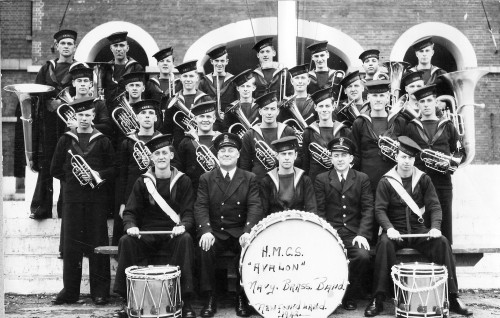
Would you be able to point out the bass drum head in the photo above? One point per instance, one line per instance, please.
(294, 265)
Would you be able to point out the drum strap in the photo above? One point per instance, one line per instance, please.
(160, 201)
(407, 198)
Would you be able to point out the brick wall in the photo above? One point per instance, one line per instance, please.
(180, 23)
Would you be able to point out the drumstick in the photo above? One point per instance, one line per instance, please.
(414, 235)
(155, 232)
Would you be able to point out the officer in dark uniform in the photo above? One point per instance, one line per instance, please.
(270, 76)
(84, 209)
(120, 65)
(396, 218)
(345, 200)
(47, 128)
(438, 134)
(161, 200)
(227, 207)
(316, 157)
(321, 76)
(287, 187)
(219, 85)
(257, 140)
(245, 104)
(184, 99)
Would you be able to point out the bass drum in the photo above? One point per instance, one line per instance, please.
(294, 265)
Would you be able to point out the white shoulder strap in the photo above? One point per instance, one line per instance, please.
(408, 199)
(160, 201)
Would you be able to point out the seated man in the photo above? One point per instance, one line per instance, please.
(345, 200)
(162, 199)
(287, 187)
(227, 207)
(402, 194)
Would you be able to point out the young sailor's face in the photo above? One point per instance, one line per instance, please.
(161, 157)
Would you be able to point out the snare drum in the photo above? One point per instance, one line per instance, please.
(294, 265)
(153, 291)
(420, 290)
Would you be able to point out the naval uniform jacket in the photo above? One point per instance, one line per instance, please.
(248, 158)
(111, 85)
(314, 86)
(99, 155)
(263, 86)
(444, 140)
(169, 127)
(368, 158)
(129, 171)
(228, 92)
(442, 87)
(227, 210)
(143, 212)
(47, 127)
(313, 134)
(349, 207)
(392, 211)
(304, 198)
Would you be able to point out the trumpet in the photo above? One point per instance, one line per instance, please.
(438, 161)
(65, 96)
(205, 158)
(83, 173)
(450, 113)
(265, 154)
(388, 147)
(321, 155)
(131, 117)
(26, 93)
(67, 114)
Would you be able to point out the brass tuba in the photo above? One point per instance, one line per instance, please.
(65, 96)
(396, 70)
(243, 125)
(463, 84)
(83, 173)
(320, 154)
(388, 147)
(439, 161)
(67, 114)
(264, 153)
(298, 123)
(205, 158)
(451, 114)
(26, 93)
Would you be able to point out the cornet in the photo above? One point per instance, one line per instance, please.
(450, 113)
(184, 122)
(265, 154)
(321, 155)
(205, 158)
(126, 123)
(26, 95)
(131, 117)
(388, 147)
(141, 153)
(67, 114)
(83, 173)
(438, 161)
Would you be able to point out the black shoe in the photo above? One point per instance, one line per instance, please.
(242, 308)
(100, 301)
(187, 311)
(209, 308)
(374, 308)
(122, 313)
(62, 299)
(349, 304)
(457, 306)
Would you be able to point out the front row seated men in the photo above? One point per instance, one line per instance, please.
(345, 200)
(227, 207)
(161, 199)
(402, 187)
(287, 187)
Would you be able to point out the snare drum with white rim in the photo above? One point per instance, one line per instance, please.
(153, 291)
(294, 265)
(420, 290)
